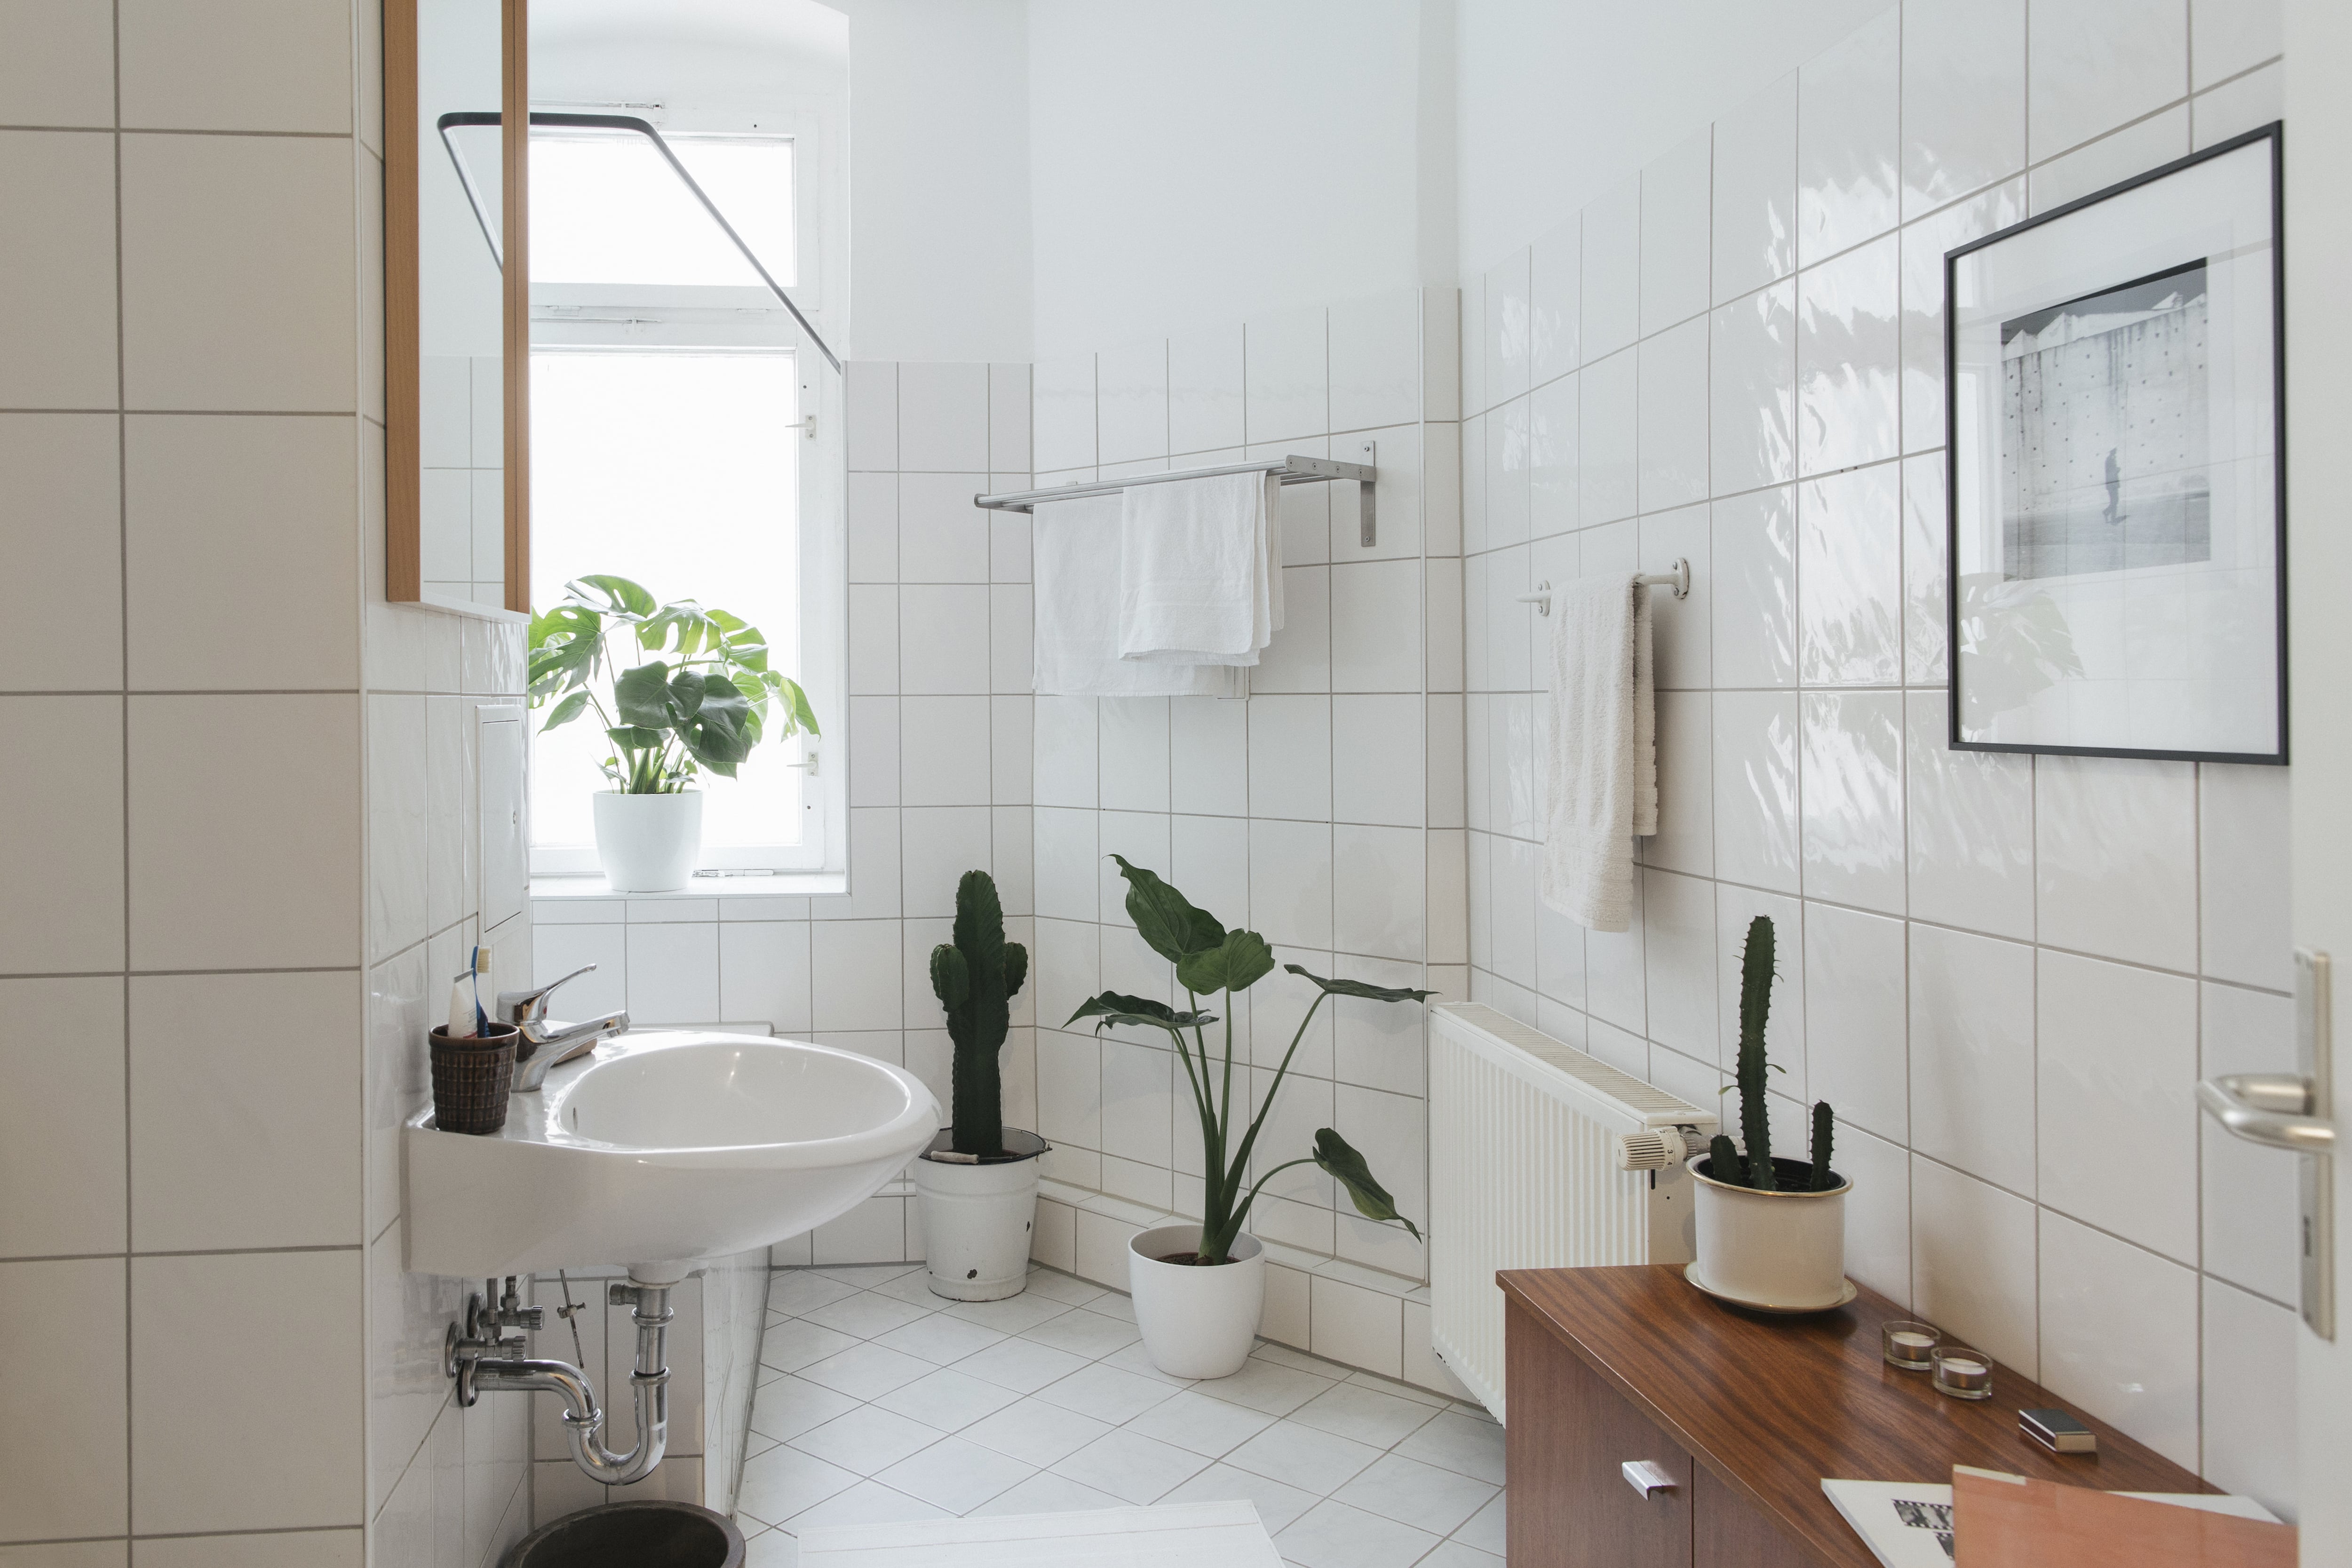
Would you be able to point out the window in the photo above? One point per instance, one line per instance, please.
(676, 441)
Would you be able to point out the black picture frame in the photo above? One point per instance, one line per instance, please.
(2274, 134)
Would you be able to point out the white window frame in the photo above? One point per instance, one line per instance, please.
(622, 316)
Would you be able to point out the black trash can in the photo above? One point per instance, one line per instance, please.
(632, 1535)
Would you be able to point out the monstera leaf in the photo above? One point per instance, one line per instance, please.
(1340, 1162)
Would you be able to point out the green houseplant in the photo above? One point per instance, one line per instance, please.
(1199, 1289)
(977, 1182)
(698, 696)
(1771, 1232)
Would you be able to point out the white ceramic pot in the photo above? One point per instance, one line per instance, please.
(649, 843)
(1196, 1322)
(1783, 1251)
(977, 1219)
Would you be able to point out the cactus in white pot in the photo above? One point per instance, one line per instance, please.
(1771, 1232)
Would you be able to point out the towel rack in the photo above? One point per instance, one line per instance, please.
(1293, 470)
(1676, 582)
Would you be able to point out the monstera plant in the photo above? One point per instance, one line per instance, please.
(678, 690)
(701, 697)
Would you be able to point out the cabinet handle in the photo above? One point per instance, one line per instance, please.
(1647, 1477)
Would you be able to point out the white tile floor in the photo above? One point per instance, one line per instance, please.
(881, 1402)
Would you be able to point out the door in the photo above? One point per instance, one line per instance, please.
(2319, 552)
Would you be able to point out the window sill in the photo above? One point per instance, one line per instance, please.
(784, 885)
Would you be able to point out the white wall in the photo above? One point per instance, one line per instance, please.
(1560, 97)
(939, 175)
(2006, 972)
(1218, 160)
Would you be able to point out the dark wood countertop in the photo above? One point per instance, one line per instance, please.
(1770, 1405)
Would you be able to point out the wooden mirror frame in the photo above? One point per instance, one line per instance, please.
(404, 575)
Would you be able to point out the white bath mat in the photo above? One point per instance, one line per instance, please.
(1173, 1535)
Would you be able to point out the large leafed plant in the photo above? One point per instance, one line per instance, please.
(702, 697)
(1209, 959)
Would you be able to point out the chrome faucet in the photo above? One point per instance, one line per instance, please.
(546, 1042)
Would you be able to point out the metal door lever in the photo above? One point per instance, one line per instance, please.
(1648, 1477)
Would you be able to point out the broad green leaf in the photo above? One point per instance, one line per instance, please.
(631, 738)
(619, 593)
(565, 711)
(1112, 1007)
(642, 695)
(1016, 968)
(1164, 918)
(1238, 962)
(1344, 1165)
(950, 976)
(717, 732)
(801, 711)
(1358, 988)
(686, 694)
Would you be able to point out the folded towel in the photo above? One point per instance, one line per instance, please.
(1076, 545)
(1201, 569)
(1602, 769)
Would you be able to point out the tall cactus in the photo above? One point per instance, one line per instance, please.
(976, 978)
(1823, 1119)
(1754, 1005)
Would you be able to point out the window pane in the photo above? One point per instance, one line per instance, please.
(677, 469)
(606, 207)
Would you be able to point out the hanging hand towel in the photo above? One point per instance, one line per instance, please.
(1601, 770)
(1075, 643)
(1201, 569)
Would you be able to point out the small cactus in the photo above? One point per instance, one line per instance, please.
(1723, 1160)
(1755, 1006)
(976, 978)
(1823, 1119)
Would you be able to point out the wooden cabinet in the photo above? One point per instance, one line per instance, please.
(1746, 1414)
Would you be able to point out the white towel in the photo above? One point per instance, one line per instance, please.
(1601, 770)
(1200, 571)
(1076, 545)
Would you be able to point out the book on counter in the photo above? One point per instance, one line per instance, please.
(1908, 1524)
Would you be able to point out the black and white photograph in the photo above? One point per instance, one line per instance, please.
(2116, 472)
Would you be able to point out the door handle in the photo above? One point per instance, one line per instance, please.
(2277, 1111)
(2270, 1109)
(1647, 1477)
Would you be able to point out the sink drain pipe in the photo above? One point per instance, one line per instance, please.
(482, 1361)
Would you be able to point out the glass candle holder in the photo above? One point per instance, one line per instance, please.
(1907, 1345)
(1962, 1373)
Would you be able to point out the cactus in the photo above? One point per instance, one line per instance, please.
(1754, 1005)
(976, 978)
(1723, 1160)
(1823, 1119)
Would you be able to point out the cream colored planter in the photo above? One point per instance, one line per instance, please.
(1196, 1322)
(649, 843)
(1783, 1251)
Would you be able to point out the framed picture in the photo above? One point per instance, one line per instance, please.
(2114, 396)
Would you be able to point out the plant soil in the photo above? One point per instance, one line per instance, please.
(1193, 1260)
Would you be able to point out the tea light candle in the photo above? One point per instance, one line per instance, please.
(1906, 1344)
(1962, 1373)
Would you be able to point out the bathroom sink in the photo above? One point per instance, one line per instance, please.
(663, 1149)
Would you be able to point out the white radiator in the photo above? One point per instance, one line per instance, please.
(1529, 1146)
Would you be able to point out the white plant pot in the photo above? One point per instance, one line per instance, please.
(978, 1221)
(1196, 1322)
(1782, 1251)
(649, 843)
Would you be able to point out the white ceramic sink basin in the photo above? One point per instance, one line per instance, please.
(662, 1149)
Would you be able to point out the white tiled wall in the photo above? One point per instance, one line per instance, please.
(938, 732)
(191, 439)
(462, 525)
(1324, 811)
(2006, 972)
